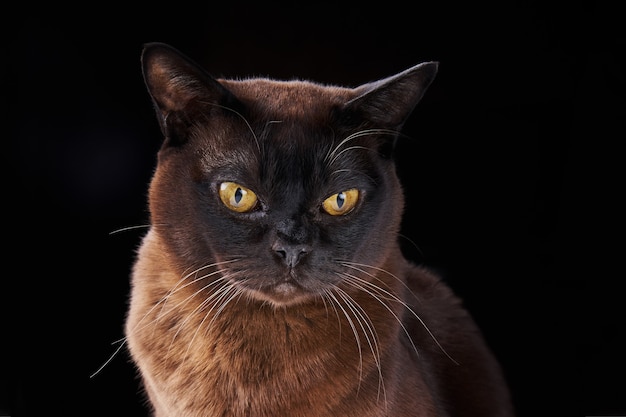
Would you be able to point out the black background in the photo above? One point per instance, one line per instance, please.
(513, 176)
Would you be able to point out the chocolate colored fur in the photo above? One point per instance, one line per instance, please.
(287, 308)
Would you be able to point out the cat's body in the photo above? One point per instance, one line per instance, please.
(271, 282)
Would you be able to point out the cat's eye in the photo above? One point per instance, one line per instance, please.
(237, 197)
(341, 203)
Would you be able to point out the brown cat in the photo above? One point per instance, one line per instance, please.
(271, 282)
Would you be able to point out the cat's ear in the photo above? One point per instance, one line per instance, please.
(390, 101)
(174, 82)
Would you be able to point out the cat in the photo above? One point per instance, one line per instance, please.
(271, 281)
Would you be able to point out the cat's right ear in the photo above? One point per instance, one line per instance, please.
(176, 83)
(390, 101)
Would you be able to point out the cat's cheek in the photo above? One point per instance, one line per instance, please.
(234, 235)
(370, 236)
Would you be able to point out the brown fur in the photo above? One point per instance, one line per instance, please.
(411, 351)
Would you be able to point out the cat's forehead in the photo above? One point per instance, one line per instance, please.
(289, 99)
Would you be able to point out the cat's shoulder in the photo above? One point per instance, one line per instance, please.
(424, 279)
(429, 288)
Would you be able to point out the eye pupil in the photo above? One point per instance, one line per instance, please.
(238, 195)
(341, 199)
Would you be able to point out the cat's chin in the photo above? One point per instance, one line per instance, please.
(282, 294)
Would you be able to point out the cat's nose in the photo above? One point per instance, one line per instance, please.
(290, 254)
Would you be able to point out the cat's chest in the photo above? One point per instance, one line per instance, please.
(251, 367)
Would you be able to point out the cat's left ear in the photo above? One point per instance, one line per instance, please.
(390, 101)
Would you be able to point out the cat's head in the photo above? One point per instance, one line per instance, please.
(286, 188)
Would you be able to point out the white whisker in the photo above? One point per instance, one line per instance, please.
(177, 287)
(359, 284)
(333, 153)
(125, 229)
(224, 287)
(370, 335)
(237, 293)
(327, 296)
(122, 342)
(395, 298)
(413, 244)
(223, 292)
(354, 331)
(346, 150)
(242, 118)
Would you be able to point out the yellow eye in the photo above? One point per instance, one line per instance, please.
(341, 203)
(237, 197)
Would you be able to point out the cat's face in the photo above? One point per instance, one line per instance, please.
(282, 189)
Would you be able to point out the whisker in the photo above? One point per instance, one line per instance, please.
(358, 284)
(323, 298)
(354, 331)
(395, 298)
(214, 300)
(176, 287)
(238, 292)
(242, 118)
(332, 153)
(354, 265)
(122, 342)
(224, 290)
(370, 335)
(326, 296)
(413, 244)
(338, 171)
(128, 228)
(332, 161)
(224, 285)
